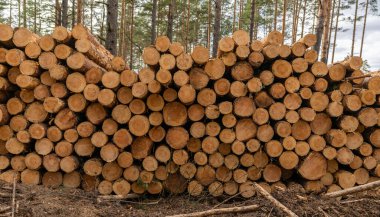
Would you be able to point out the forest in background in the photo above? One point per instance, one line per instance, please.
(195, 22)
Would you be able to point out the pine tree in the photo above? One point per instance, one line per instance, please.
(321, 20)
(354, 30)
(252, 19)
(364, 25)
(64, 12)
(111, 38)
(154, 22)
(73, 21)
(80, 11)
(284, 18)
(216, 35)
(326, 27)
(169, 31)
(58, 14)
(335, 31)
(131, 33)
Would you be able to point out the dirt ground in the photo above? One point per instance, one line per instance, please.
(39, 201)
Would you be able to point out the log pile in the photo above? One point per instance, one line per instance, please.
(73, 115)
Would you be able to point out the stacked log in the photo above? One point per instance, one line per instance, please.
(73, 115)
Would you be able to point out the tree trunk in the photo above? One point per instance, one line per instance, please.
(131, 33)
(154, 21)
(79, 11)
(73, 14)
(330, 29)
(122, 29)
(19, 12)
(251, 27)
(169, 31)
(209, 25)
(234, 19)
(64, 13)
(24, 13)
(303, 18)
(10, 12)
(102, 20)
(111, 37)
(335, 32)
(58, 14)
(284, 18)
(294, 24)
(187, 26)
(354, 31)
(326, 27)
(35, 17)
(364, 25)
(91, 15)
(275, 15)
(216, 35)
(320, 22)
(240, 14)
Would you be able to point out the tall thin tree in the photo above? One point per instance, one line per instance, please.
(131, 33)
(294, 24)
(111, 37)
(122, 29)
(319, 28)
(364, 25)
(154, 22)
(303, 18)
(169, 30)
(64, 12)
(102, 21)
(354, 30)
(24, 13)
(326, 31)
(209, 24)
(275, 15)
(240, 14)
(234, 20)
(58, 13)
(284, 18)
(79, 11)
(335, 32)
(19, 12)
(91, 16)
(216, 33)
(35, 16)
(330, 28)
(252, 20)
(187, 25)
(73, 17)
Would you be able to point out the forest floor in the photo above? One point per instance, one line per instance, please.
(40, 201)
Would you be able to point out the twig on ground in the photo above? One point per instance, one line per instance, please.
(9, 195)
(352, 201)
(249, 208)
(142, 203)
(6, 214)
(324, 213)
(224, 201)
(116, 197)
(5, 209)
(270, 212)
(264, 193)
(301, 197)
(352, 190)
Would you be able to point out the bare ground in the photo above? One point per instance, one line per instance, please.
(40, 201)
